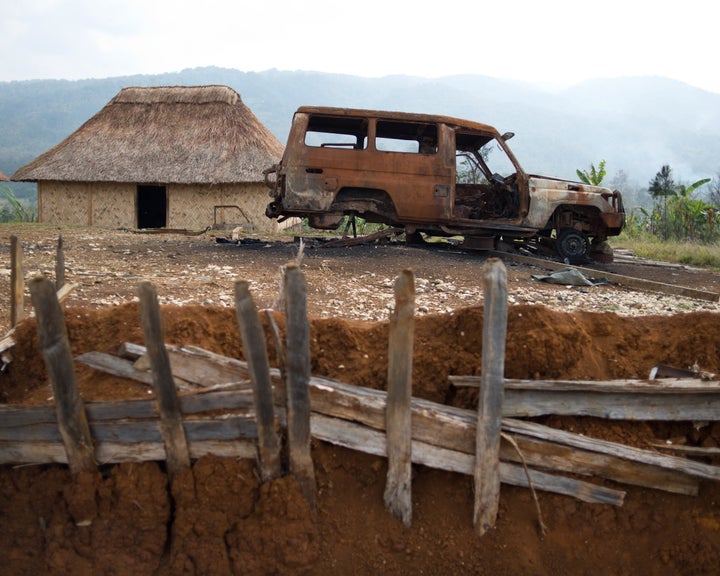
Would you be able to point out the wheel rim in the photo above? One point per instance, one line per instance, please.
(572, 244)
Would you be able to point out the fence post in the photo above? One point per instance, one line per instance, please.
(298, 378)
(59, 265)
(55, 347)
(398, 487)
(253, 341)
(168, 404)
(487, 448)
(17, 282)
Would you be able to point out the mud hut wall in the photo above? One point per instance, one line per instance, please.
(63, 202)
(113, 205)
(105, 204)
(193, 206)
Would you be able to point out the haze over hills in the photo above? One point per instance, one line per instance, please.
(635, 124)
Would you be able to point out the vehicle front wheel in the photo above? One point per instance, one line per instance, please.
(572, 245)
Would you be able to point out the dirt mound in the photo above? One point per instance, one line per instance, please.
(217, 519)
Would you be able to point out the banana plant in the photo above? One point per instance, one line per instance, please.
(21, 214)
(594, 176)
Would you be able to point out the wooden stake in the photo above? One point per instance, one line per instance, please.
(398, 488)
(487, 448)
(168, 405)
(17, 282)
(55, 347)
(298, 378)
(253, 339)
(60, 265)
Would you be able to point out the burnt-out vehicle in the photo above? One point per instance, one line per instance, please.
(432, 174)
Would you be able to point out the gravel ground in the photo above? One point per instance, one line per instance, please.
(353, 282)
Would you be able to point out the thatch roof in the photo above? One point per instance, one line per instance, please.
(4, 178)
(176, 134)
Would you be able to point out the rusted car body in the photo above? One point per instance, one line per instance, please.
(432, 174)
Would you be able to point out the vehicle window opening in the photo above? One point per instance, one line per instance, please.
(406, 137)
(480, 171)
(337, 132)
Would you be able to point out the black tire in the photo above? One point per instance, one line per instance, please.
(572, 245)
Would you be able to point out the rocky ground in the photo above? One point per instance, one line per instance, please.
(352, 283)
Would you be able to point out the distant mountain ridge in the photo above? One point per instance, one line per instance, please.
(635, 124)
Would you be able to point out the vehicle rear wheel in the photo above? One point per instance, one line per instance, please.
(572, 245)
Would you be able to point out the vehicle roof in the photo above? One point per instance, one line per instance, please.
(402, 116)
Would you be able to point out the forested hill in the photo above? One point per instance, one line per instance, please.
(635, 124)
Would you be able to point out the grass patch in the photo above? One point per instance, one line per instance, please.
(652, 248)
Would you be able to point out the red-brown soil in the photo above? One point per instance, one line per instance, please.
(217, 519)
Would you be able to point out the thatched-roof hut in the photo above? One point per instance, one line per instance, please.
(4, 178)
(176, 157)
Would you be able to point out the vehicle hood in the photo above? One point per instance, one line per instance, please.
(558, 184)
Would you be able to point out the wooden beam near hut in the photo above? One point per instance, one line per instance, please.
(667, 399)
(168, 405)
(490, 402)
(297, 382)
(454, 428)
(17, 282)
(72, 424)
(398, 415)
(253, 340)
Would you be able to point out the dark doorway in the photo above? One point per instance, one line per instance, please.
(151, 207)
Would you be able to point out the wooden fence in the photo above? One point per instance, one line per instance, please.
(209, 404)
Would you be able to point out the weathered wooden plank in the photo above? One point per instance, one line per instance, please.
(628, 386)
(668, 407)
(451, 427)
(112, 452)
(363, 439)
(7, 341)
(559, 458)
(253, 339)
(698, 451)
(454, 428)
(130, 431)
(676, 399)
(203, 401)
(490, 402)
(12, 416)
(193, 403)
(65, 291)
(195, 365)
(59, 264)
(398, 486)
(298, 377)
(168, 405)
(17, 282)
(684, 465)
(116, 366)
(55, 348)
(127, 369)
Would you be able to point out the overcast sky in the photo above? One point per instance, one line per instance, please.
(557, 42)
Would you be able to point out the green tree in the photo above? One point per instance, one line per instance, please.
(661, 186)
(689, 214)
(594, 176)
(714, 193)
